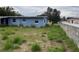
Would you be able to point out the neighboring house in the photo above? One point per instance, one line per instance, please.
(37, 21)
(73, 20)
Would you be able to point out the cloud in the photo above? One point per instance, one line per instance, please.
(36, 10)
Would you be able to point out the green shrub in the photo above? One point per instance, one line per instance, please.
(4, 37)
(56, 49)
(18, 40)
(36, 48)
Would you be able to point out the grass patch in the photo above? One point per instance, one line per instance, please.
(36, 48)
(56, 33)
(8, 45)
(18, 40)
(51, 38)
(72, 45)
(4, 37)
(56, 49)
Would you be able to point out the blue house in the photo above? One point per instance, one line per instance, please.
(37, 21)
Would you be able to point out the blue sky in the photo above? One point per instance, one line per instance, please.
(36, 10)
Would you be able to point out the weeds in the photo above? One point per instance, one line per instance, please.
(4, 37)
(8, 45)
(36, 48)
(18, 40)
(56, 49)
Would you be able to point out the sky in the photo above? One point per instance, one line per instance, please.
(68, 11)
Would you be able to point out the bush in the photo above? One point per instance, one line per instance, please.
(56, 49)
(18, 40)
(36, 48)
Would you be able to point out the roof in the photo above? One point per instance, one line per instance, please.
(2, 17)
(25, 17)
(73, 18)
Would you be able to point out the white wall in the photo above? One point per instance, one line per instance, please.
(72, 30)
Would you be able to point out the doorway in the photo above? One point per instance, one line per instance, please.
(4, 21)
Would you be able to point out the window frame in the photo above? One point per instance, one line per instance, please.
(36, 21)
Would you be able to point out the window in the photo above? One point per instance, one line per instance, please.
(14, 20)
(24, 20)
(36, 21)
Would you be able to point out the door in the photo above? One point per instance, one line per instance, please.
(2, 21)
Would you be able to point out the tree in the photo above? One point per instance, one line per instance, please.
(49, 12)
(64, 18)
(53, 15)
(8, 11)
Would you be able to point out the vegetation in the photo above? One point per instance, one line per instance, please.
(18, 40)
(49, 38)
(8, 45)
(36, 48)
(4, 37)
(56, 49)
(53, 15)
(8, 11)
(57, 34)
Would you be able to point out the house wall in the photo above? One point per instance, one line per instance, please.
(29, 22)
(74, 21)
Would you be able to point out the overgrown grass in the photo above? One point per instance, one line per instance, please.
(57, 33)
(11, 44)
(51, 38)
